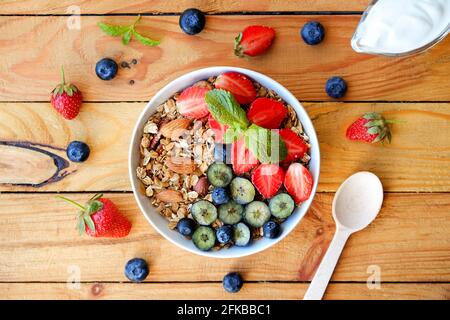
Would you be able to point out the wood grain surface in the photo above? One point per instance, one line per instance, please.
(40, 243)
(250, 291)
(303, 69)
(164, 6)
(419, 156)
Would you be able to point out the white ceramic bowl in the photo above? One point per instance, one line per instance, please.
(161, 224)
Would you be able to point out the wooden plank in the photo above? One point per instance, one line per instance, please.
(417, 160)
(30, 67)
(214, 291)
(409, 241)
(164, 6)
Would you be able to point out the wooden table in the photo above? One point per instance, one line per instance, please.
(40, 250)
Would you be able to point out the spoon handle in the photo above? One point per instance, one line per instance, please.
(324, 272)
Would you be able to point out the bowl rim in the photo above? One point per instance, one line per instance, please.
(214, 70)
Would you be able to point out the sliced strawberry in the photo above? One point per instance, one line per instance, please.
(298, 182)
(242, 159)
(295, 145)
(268, 178)
(218, 128)
(253, 41)
(239, 85)
(267, 113)
(191, 102)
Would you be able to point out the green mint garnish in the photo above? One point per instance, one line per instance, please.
(127, 32)
(265, 144)
(225, 109)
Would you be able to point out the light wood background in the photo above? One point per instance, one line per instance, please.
(39, 246)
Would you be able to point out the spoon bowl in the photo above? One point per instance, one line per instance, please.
(358, 201)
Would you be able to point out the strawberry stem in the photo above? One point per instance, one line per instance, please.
(63, 76)
(72, 202)
(394, 121)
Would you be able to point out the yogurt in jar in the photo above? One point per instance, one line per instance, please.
(401, 26)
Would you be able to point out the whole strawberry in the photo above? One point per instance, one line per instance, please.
(253, 41)
(99, 217)
(371, 127)
(66, 98)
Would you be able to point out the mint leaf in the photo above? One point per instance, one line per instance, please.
(146, 41)
(127, 32)
(225, 109)
(112, 30)
(265, 144)
(127, 37)
(232, 134)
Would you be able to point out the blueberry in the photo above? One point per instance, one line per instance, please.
(312, 33)
(224, 234)
(106, 69)
(186, 227)
(232, 282)
(336, 87)
(220, 196)
(271, 230)
(192, 21)
(221, 153)
(78, 151)
(136, 270)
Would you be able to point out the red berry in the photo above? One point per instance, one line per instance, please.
(253, 41)
(267, 179)
(295, 145)
(101, 218)
(237, 84)
(242, 159)
(267, 113)
(371, 128)
(298, 182)
(191, 102)
(66, 98)
(109, 222)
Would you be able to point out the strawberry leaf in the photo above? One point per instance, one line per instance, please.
(237, 46)
(372, 116)
(146, 41)
(373, 130)
(113, 30)
(94, 206)
(81, 226)
(89, 222)
(225, 109)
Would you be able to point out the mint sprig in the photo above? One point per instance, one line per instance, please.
(265, 144)
(127, 33)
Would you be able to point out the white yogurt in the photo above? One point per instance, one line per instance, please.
(401, 26)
